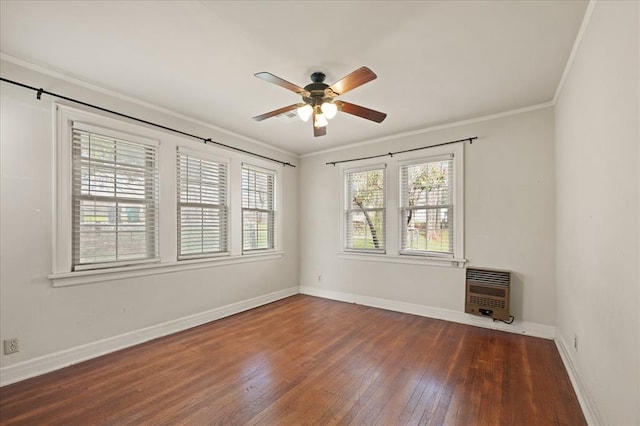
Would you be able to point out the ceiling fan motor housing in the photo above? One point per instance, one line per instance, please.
(318, 77)
(317, 91)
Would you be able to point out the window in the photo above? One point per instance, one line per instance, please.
(427, 207)
(202, 206)
(426, 225)
(258, 210)
(133, 201)
(365, 210)
(114, 198)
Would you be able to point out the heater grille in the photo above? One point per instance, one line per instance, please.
(487, 301)
(488, 276)
(487, 293)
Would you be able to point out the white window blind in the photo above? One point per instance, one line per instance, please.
(202, 206)
(258, 210)
(365, 210)
(427, 207)
(115, 200)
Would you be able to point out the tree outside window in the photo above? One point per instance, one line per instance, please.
(365, 213)
(427, 207)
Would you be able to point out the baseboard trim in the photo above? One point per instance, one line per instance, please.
(51, 362)
(520, 327)
(589, 408)
(48, 363)
(588, 405)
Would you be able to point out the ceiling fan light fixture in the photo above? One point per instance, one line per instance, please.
(304, 112)
(319, 120)
(329, 109)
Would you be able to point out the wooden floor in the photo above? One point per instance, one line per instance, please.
(305, 360)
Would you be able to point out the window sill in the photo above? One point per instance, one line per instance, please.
(98, 275)
(405, 259)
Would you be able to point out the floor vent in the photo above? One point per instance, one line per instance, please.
(487, 293)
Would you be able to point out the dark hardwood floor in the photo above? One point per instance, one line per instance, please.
(306, 360)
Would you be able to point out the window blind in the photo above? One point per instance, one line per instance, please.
(258, 210)
(115, 200)
(427, 207)
(202, 206)
(365, 210)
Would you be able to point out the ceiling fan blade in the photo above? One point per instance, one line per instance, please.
(267, 76)
(357, 78)
(277, 112)
(319, 131)
(361, 111)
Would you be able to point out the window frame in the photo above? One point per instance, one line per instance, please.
(452, 204)
(393, 219)
(433, 154)
(62, 273)
(151, 224)
(202, 156)
(272, 231)
(346, 204)
(64, 117)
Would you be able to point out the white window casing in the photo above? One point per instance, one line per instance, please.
(133, 148)
(427, 207)
(114, 198)
(364, 214)
(133, 187)
(435, 232)
(202, 205)
(258, 208)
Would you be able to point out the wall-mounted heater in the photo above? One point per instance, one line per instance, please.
(487, 293)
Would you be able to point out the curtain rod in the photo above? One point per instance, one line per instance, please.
(391, 154)
(41, 91)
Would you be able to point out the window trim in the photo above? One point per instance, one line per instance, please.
(99, 275)
(393, 203)
(344, 203)
(212, 158)
(274, 232)
(64, 118)
(61, 266)
(77, 125)
(454, 205)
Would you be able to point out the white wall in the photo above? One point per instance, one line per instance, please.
(48, 320)
(509, 220)
(597, 137)
(565, 218)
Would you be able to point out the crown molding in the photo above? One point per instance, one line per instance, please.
(94, 87)
(433, 129)
(574, 50)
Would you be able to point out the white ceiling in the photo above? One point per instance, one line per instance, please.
(437, 61)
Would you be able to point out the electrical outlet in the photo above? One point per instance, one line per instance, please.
(10, 346)
(575, 342)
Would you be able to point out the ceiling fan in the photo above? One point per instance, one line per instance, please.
(319, 99)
